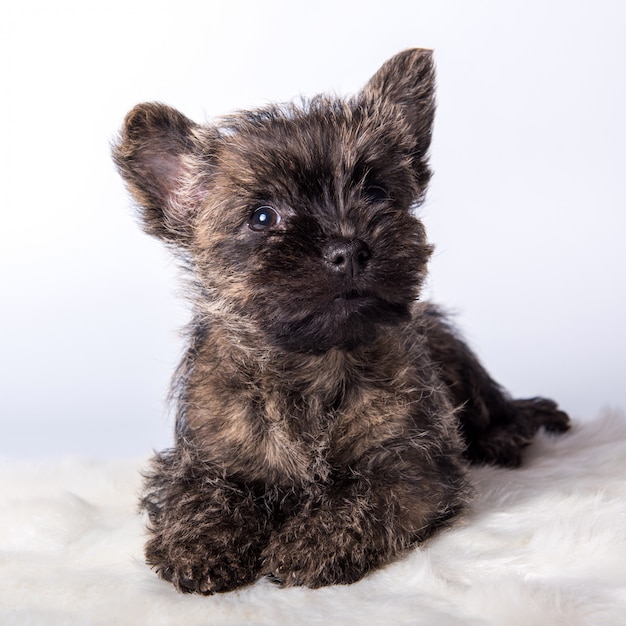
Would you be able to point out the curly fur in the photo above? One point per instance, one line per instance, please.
(325, 416)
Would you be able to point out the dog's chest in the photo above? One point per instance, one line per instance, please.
(310, 436)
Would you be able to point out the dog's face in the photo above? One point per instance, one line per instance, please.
(296, 218)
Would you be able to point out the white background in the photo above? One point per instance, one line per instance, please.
(527, 207)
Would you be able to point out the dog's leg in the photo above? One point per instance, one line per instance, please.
(393, 497)
(495, 427)
(206, 533)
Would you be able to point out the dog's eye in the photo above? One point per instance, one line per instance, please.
(376, 193)
(263, 218)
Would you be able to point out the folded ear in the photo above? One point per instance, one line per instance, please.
(403, 90)
(166, 162)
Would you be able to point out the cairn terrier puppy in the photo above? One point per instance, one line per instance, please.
(325, 416)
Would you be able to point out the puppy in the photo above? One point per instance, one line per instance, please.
(325, 416)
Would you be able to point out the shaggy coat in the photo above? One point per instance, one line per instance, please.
(325, 416)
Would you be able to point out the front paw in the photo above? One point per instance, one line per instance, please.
(319, 550)
(198, 567)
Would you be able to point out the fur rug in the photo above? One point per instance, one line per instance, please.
(545, 544)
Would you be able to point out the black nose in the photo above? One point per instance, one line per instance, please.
(348, 257)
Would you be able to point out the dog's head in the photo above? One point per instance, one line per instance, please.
(298, 218)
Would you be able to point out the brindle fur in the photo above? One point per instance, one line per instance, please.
(325, 417)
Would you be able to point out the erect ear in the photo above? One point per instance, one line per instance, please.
(404, 89)
(166, 161)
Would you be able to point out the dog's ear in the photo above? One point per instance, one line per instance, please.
(403, 91)
(166, 161)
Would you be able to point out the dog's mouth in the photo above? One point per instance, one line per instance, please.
(355, 294)
(354, 300)
(348, 319)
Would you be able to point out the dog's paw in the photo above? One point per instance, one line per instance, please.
(203, 569)
(206, 579)
(542, 412)
(503, 443)
(206, 534)
(316, 551)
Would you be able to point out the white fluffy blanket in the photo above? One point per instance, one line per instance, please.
(545, 544)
